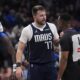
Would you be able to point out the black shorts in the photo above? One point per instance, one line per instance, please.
(41, 72)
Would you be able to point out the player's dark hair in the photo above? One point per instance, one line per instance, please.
(36, 8)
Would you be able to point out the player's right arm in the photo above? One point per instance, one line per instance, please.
(20, 49)
(19, 53)
(25, 36)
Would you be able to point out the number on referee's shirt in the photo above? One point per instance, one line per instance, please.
(76, 47)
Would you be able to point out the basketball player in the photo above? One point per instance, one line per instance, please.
(70, 54)
(6, 54)
(40, 35)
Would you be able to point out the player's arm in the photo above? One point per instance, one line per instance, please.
(55, 34)
(21, 47)
(56, 38)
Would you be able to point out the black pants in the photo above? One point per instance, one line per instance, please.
(72, 73)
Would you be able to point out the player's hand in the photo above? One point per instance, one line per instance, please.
(58, 78)
(18, 72)
(25, 63)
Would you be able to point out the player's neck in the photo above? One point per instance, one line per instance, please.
(39, 25)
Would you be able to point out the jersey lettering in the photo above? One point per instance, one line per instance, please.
(79, 40)
(47, 38)
(42, 37)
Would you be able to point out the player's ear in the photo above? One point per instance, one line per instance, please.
(34, 16)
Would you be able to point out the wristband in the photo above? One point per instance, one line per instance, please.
(18, 64)
(14, 67)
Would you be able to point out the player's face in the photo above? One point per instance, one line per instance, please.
(40, 17)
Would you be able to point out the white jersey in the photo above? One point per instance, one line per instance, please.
(27, 32)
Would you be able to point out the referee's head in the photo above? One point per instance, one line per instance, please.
(65, 21)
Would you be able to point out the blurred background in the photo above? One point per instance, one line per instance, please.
(16, 14)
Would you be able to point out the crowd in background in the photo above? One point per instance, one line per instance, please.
(16, 14)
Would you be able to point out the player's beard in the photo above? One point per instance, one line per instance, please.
(41, 22)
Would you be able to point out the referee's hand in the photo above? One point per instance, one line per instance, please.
(18, 72)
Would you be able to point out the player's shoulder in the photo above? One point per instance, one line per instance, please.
(27, 28)
(51, 24)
